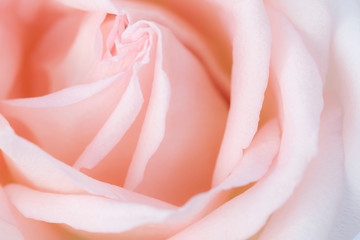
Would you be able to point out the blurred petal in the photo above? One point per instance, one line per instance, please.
(64, 97)
(251, 49)
(204, 33)
(311, 211)
(8, 231)
(83, 212)
(76, 54)
(91, 5)
(10, 48)
(8, 225)
(313, 22)
(343, 78)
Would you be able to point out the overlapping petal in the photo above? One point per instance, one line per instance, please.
(301, 101)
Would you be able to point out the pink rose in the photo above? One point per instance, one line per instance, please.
(203, 119)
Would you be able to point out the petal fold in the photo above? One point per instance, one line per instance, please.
(251, 50)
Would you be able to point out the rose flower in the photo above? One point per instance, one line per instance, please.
(202, 119)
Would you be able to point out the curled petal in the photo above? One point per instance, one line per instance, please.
(251, 49)
(301, 90)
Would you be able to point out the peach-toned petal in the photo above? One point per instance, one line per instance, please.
(115, 126)
(10, 48)
(300, 87)
(254, 165)
(267, 140)
(194, 124)
(311, 211)
(257, 157)
(27, 10)
(251, 49)
(67, 96)
(344, 78)
(8, 231)
(313, 22)
(70, 123)
(79, 37)
(8, 226)
(31, 165)
(203, 33)
(91, 5)
(16, 226)
(63, 174)
(84, 212)
(153, 129)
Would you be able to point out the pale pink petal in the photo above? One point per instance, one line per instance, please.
(194, 124)
(67, 96)
(5, 213)
(204, 33)
(15, 226)
(83, 212)
(70, 35)
(343, 78)
(311, 211)
(31, 166)
(153, 129)
(254, 165)
(300, 87)
(257, 157)
(115, 126)
(66, 115)
(8, 226)
(10, 48)
(251, 49)
(91, 5)
(8, 231)
(313, 22)
(130, 104)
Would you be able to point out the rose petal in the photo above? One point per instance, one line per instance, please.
(194, 124)
(70, 35)
(254, 165)
(251, 49)
(357, 237)
(153, 129)
(10, 48)
(313, 22)
(8, 226)
(204, 33)
(115, 126)
(5, 212)
(257, 157)
(65, 97)
(84, 212)
(300, 87)
(31, 202)
(343, 78)
(32, 165)
(91, 5)
(68, 123)
(8, 231)
(311, 210)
